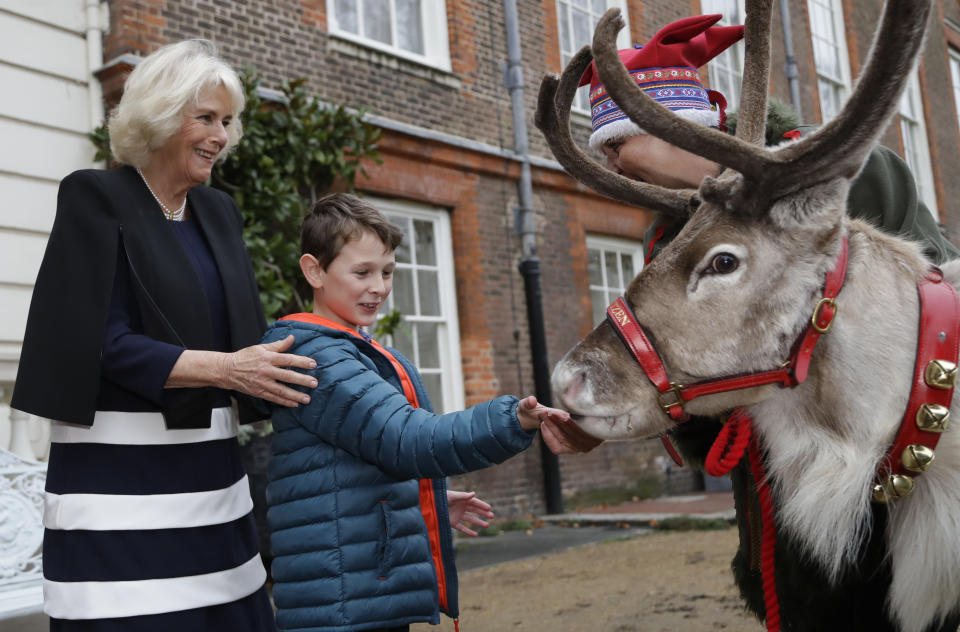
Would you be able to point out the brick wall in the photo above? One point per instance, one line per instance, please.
(288, 38)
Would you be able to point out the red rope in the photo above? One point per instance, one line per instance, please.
(768, 538)
(456, 625)
(727, 450)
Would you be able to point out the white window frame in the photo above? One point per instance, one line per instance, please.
(625, 247)
(436, 47)
(916, 149)
(451, 366)
(581, 103)
(839, 86)
(729, 63)
(955, 80)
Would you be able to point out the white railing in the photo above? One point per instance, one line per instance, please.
(24, 440)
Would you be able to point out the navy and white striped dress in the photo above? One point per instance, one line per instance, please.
(150, 529)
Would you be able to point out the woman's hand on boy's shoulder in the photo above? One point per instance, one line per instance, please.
(561, 434)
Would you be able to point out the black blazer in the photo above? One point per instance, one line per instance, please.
(59, 372)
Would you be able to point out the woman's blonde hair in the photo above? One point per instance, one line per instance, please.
(159, 87)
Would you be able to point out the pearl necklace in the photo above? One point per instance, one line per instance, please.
(177, 215)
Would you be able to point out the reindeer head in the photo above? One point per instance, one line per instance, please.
(733, 291)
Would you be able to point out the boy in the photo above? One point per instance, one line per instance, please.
(359, 521)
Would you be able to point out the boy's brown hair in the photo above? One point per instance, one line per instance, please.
(339, 218)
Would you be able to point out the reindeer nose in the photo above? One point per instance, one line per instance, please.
(574, 386)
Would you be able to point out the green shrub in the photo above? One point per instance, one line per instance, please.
(691, 523)
(516, 525)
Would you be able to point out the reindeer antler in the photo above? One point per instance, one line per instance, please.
(553, 119)
(836, 150)
(752, 118)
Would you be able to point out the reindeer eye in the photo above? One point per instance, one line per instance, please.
(723, 263)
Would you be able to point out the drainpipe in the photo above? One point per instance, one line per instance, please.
(793, 77)
(530, 263)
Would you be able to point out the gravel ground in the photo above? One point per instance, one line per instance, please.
(654, 582)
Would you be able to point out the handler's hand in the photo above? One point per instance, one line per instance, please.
(561, 434)
(256, 371)
(566, 437)
(466, 507)
(531, 413)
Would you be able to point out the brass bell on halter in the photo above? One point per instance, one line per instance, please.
(933, 418)
(893, 486)
(916, 458)
(941, 374)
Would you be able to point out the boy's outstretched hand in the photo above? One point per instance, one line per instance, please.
(466, 507)
(561, 434)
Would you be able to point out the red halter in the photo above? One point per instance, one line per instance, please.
(673, 396)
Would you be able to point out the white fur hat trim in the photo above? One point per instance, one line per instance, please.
(624, 128)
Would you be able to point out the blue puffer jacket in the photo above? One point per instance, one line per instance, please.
(348, 514)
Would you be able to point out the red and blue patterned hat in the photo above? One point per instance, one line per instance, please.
(666, 70)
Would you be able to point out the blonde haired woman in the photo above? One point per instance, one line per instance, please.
(141, 346)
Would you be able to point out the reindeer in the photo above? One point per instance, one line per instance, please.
(737, 288)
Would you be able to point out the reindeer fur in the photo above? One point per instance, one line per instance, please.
(782, 214)
(824, 438)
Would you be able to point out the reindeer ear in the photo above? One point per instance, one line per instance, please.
(824, 204)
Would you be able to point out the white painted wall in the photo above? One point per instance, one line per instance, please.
(49, 101)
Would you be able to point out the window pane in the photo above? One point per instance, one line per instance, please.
(829, 99)
(347, 15)
(426, 248)
(628, 273)
(403, 299)
(376, 20)
(566, 45)
(828, 52)
(581, 28)
(599, 6)
(429, 293)
(593, 266)
(402, 252)
(403, 340)
(582, 102)
(598, 300)
(428, 346)
(909, 146)
(908, 104)
(409, 33)
(580, 3)
(613, 260)
(434, 384)
(613, 275)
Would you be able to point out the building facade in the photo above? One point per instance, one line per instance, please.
(431, 75)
